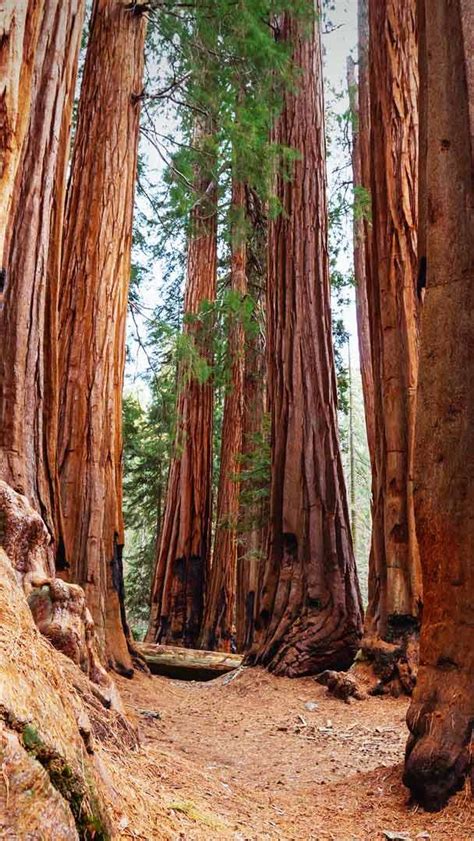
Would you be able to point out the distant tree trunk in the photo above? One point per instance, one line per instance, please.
(93, 307)
(310, 610)
(218, 621)
(439, 751)
(360, 106)
(28, 328)
(352, 484)
(253, 517)
(395, 578)
(183, 550)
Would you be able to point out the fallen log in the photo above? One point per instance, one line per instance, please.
(187, 663)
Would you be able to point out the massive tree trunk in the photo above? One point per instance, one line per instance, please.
(310, 610)
(183, 550)
(93, 307)
(218, 620)
(28, 330)
(441, 715)
(253, 516)
(395, 578)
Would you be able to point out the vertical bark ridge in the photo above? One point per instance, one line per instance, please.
(441, 715)
(395, 580)
(92, 314)
(28, 320)
(253, 517)
(310, 610)
(181, 571)
(19, 32)
(218, 620)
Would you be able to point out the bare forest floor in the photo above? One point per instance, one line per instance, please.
(259, 757)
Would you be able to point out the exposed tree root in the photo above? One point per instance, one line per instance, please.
(441, 721)
(381, 668)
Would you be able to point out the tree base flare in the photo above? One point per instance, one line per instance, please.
(380, 668)
(440, 719)
(59, 608)
(394, 663)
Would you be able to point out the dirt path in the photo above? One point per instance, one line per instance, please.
(263, 758)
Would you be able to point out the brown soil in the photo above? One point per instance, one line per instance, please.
(243, 757)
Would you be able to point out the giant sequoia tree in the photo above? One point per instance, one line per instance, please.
(394, 578)
(183, 551)
(253, 499)
(37, 121)
(441, 715)
(218, 617)
(93, 306)
(310, 611)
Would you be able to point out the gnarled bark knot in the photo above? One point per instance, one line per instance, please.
(59, 608)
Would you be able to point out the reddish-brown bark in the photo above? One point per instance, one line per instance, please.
(28, 332)
(439, 751)
(218, 619)
(93, 307)
(19, 28)
(395, 579)
(310, 610)
(183, 549)
(253, 516)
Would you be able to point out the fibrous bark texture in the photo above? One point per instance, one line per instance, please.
(59, 609)
(395, 577)
(218, 620)
(439, 750)
(51, 785)
(183, 550)
(92, 314)
(19, 30)
(28, 317)
(253, 516)
(310, 609)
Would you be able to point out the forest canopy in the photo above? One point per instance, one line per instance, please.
(236, 378)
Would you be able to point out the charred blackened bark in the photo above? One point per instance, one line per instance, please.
(441, 715)
(310, 609)
(181, 572)
(93, 307)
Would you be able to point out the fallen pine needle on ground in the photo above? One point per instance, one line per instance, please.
(260, 757)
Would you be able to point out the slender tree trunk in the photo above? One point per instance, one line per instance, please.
(218, 621)
(310, 610)
(441, 715)
(19, 30)
(183, 551)
(93, 307)
(395, 579)
(28, 370)
(352, 485)
(253, 517)
(360, 106)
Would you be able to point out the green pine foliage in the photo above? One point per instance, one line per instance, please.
(220, 64)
